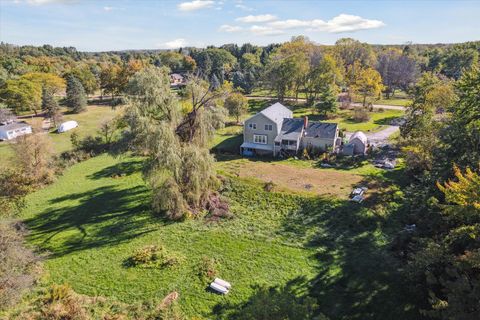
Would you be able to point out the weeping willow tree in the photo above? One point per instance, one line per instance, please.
(179, 166)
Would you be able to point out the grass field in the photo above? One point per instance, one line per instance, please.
(337, 252)
(88, 124)
(400, 98)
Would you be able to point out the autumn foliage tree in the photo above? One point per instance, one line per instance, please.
(237, 105)
(368, 84)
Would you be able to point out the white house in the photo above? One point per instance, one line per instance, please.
(15, 129)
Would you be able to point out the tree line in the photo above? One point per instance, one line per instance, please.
(295, 68)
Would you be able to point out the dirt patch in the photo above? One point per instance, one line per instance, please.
(318, 181)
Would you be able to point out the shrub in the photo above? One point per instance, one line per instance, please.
(19, 267)
(154, 256)
(269, 186)
(207, 268)
(361, 115)
(14, 186)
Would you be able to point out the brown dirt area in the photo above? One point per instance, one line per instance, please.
(317, 181)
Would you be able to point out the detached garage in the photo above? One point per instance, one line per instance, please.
(13, 130)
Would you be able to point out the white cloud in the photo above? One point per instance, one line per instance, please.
(257, 18)
(339, 24)
(265, 31)
(107, 8)
(350, 23)
(174, 44)
(195, 5)
(41, 2)
(291, 24)
(229, 28)
(243, 7)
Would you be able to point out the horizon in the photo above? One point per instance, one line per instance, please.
(102, 26)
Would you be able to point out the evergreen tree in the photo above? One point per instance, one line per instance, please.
(76, 98)
(328, 101)
(50, 106)
(214, 82)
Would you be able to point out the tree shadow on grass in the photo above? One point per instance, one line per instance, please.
(100, 217)
(358, 274)
(286, 302)
(120, 169)
(386, 121)
(230, 145)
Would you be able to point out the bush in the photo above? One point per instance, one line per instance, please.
(14, 186)
(269, 186)
(207, 268)
(19, 267)
(154, 256)
(361, 115)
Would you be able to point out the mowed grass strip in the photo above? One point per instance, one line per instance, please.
(91, 222)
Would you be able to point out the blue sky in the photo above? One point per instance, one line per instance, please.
(92, 25)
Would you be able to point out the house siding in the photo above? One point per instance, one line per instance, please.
(317, 143)
(260, 120)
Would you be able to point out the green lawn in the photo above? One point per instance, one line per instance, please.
(394, 102)
(88, 124)
(335, 251)
(344, 118)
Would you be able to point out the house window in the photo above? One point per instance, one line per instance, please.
(277, 143)
(260, 138)
(252, 125)
(268, 127)
(289, 142)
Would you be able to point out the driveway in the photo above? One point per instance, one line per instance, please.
(382, 135)
(379, 136)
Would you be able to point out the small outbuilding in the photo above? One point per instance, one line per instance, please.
(66, 126)
(357, 144)
(15, 129)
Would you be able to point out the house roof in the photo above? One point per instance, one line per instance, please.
(322, 130)
(14, 126)
(291, 129)
(277, 111)
(359, 135)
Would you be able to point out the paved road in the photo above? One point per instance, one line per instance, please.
(375, 106)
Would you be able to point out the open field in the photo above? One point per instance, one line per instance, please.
(335, 251)
(88, 124)
(293, 178)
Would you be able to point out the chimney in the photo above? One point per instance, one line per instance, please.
(305, 122)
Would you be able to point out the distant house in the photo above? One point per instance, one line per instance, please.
(177, 79)
(274, 131)
(15, 129)
(357, 144)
